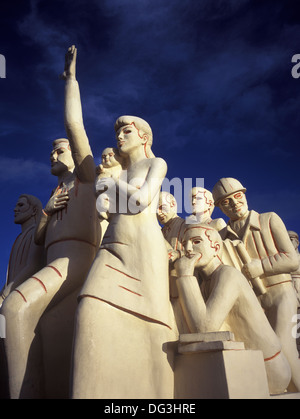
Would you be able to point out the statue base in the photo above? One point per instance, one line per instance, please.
(215, 366)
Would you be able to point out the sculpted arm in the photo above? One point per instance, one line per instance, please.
(203, 316)
(222, 299)
(81, 151)
(284, 261)
(142, 195)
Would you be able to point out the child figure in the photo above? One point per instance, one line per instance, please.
(110, 167)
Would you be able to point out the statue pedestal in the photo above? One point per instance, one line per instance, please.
(214, 366)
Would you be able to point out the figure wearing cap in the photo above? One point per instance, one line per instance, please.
(270, 257)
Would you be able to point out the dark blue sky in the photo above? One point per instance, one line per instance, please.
(212, 77)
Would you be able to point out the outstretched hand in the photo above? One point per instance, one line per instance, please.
(70, 64)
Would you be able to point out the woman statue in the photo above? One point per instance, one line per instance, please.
(124, 318)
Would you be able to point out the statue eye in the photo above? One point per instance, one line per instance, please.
(225, 202)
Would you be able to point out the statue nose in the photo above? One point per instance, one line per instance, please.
(188, 248)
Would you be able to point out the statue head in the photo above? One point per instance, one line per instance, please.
(199, 239)
(27, 207)
(167, 207)
(110, 157)
(202, 202)
(61, 157)
(229, 195)
(294, 238)
(138, 129)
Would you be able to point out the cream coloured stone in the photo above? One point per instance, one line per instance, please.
(125, 330)
(271, 256)
(206, 337)
(216, 345)
(294, 237)
(69, 230)
(172, 230)
(221, 374)
(26, 257)
(111, 166)
(122, 300)
(225, 295)
(203, 206)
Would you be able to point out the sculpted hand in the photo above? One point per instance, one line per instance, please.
(173, 255)
(185, 265)
(70, 64)
(253, 269)
(100, 169)
(56, 203)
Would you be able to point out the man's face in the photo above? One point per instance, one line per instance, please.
(235, 205)
(201, 204)
(108, 158)
(23, 211)
(196, 242)
(166, 209)
(61, 160)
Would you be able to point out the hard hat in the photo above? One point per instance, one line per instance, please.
(225, 187)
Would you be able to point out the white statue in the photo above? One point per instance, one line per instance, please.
(172, 224)
(111, 166)
(172, 229)
(124, 317)
(296, 274)
(26, 257)
(270, 259)
(69, 229)
(224, 295)
(203, 206)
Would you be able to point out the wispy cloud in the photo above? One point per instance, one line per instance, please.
(21, 171)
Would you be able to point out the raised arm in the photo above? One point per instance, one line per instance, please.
(202, 316)
(81, 151)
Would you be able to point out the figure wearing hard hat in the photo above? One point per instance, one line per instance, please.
(270, 257)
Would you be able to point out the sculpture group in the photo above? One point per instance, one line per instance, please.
(98, 294)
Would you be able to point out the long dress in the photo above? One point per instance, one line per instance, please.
(129, 288)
